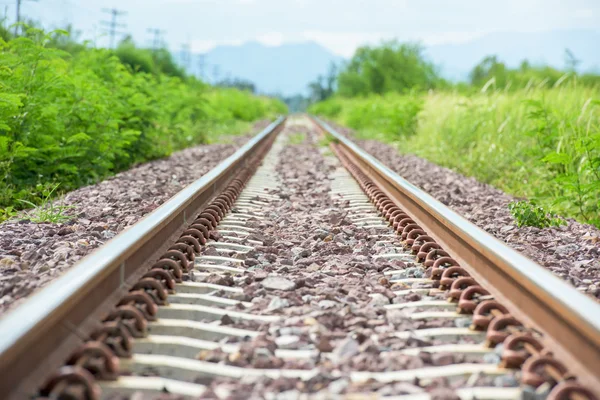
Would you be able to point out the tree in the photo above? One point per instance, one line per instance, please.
(490, 68)
(390, 67)
(324, 87)
(146, 60)
(238, 83)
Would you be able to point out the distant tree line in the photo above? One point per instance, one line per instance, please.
(238, 83)
(156, 62)
(493, 71)
(395, 67)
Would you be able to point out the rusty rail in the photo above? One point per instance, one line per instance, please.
(36, 337)
(569, 320)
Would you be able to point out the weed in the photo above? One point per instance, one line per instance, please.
(296, 138)
(7, 213)
(48, 211)
(326, 139)
(527, 213)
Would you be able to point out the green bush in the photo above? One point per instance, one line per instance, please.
(135, 58)
(391, 67)
(146, 60)
(330, 108)
(527, 213)
(75, 119)
(391, 117)
(492, 72)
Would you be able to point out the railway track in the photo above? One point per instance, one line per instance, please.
(299, 269)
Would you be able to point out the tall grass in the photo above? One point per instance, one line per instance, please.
(539, 143)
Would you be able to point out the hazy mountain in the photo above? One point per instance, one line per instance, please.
(285, 69)
(539, 48)
(289, 68)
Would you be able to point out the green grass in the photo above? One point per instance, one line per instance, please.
(48, 211)
(541, 143)
(225, 132)
(326, 139)
(296, 138)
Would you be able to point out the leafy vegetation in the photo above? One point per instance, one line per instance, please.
(238, 83)
(326, 139)
(149, 61)
(75, 118)
(296, 138)
(532, 131)
(492, 72)
(392, 67)
(527, 213)
(324, 86)
(391, 116)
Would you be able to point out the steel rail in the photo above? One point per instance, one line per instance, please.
(36, 337)
(569, 320)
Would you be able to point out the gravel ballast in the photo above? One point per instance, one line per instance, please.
(325, 291)
(32, 255)
(572, 251)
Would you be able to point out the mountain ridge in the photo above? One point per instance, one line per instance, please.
(287, 69)
(548, 47)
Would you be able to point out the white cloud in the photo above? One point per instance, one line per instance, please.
(271, 38)
(584, 13)
(340, 43)
(268, 39)
(344, 43)
(202, 46)
(449, 37)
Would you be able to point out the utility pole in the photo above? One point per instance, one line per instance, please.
(156, 41)
(201, 65)
(185, 56)
(216, 73)
(112, 24)
(19, 16)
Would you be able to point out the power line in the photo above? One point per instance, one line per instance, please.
(112, 24)
(157, 39)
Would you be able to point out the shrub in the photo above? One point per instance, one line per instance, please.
(527, 213)
(391, 67)
(390, 117)
(75, 119)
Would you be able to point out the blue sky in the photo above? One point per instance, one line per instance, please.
(340, 25)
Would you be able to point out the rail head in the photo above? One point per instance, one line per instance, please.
(58, 317)
(569, 319)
